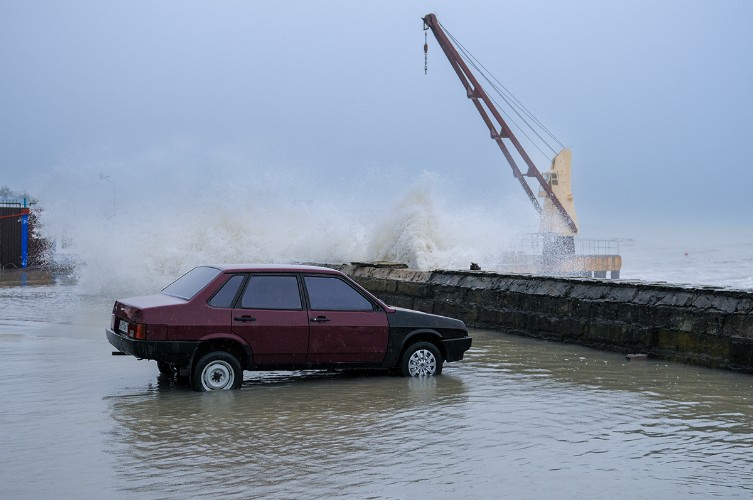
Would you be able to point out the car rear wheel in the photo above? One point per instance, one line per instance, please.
(421, 359)
(217, 371)
(165, 368)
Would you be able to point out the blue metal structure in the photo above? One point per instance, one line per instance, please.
(25, 236)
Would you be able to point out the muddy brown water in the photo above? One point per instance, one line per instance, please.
(518, 418)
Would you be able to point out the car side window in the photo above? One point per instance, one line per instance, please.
(272, 292)
(226, 295)
(329, 293)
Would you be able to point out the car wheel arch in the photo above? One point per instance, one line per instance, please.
(224, 342)
(423, 335)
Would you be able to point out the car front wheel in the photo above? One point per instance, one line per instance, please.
(422, 359)
(217, 371)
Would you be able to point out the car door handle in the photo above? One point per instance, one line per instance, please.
(320, 319)
(245, 319)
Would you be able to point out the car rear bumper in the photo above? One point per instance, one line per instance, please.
(178, 353)
(455, 348)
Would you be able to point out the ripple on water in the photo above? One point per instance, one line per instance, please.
(518, 418)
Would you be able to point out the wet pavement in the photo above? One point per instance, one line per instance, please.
(518, 418)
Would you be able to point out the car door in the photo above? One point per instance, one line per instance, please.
(270, 315)
(345, 326)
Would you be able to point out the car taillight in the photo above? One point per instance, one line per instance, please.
(137, 331)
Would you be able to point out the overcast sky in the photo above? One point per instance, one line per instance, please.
(655, 98)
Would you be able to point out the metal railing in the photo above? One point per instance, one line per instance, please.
(533, 243)
(597, 247)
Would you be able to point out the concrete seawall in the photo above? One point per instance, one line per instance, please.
(697, 325)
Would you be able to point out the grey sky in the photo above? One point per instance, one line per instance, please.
(654, 97)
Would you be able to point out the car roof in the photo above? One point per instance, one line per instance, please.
(295, 268)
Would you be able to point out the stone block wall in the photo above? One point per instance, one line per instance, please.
(698, 325)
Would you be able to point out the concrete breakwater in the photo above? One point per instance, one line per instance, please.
(696, 325)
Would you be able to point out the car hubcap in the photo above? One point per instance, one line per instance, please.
(422, 363)
(217, 375)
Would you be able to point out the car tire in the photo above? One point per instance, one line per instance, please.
(217, 371)
(165, 368)
(421, 359)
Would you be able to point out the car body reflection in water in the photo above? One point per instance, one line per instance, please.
(287, 434)
(520, 414)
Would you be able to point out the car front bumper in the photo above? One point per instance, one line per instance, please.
(178, 353)
(455, 348)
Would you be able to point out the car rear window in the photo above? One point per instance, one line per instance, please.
(226, 296)
(191, 283)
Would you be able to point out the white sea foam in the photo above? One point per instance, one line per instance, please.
(139, 221)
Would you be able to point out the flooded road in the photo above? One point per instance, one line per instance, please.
(518, 418)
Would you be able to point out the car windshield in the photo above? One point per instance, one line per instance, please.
(191, 283)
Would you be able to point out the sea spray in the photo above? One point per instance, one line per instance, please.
(410, 232)
(139, 220)
(430, 227)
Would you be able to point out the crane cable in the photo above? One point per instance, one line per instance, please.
(513, 102)
(507, 96)
(514, 107)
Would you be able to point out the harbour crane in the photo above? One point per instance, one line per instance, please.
(558, 220)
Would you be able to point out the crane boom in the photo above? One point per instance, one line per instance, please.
(499, 131)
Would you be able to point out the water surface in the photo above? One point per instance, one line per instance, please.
(518, 417)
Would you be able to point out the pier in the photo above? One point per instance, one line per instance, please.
(704, 326)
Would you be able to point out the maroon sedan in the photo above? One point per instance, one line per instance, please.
(216, 321)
